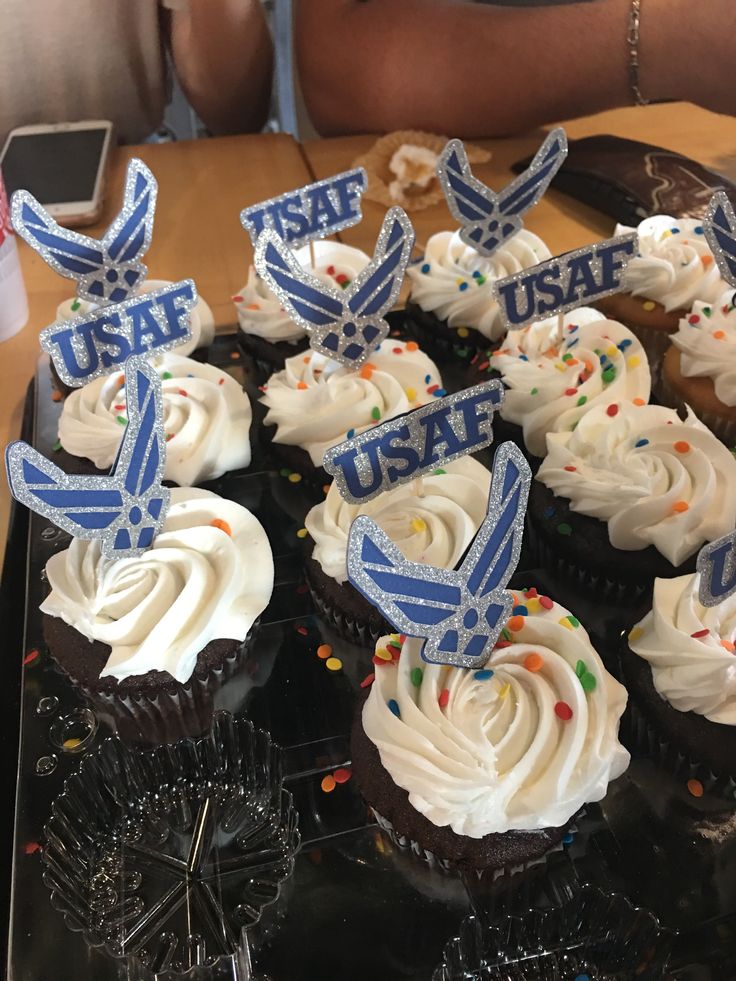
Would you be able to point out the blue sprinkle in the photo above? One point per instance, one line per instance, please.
(476, 274)
(582, 977)
(626, 342)
(350, 433)
(439, 393)
(483, 675)
(641, 442)
(462, 286)
(190, 375)
(603, 358)
(378, 349)
(523, 357)
(394, 707)
(427, 379)
(549, 512)
(675, 231)
(519, 611)
(573, 342)
(568, 839)
(698, 230)
(425, 268)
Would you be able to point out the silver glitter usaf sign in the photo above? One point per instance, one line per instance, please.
(717, 568)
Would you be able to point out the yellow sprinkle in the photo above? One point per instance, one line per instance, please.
(72, 742)
(666, 233)
(411, 394)
(533, 605)
(612, 352)
(561, 366)
(418, 525)
(383, 654)
(295, 477)
(635, 633)
(565, 623)
(649, 305)
(396, 638)
(333, 664)
(302, 533)
(504, 690)
(463, 332)
(634, 361)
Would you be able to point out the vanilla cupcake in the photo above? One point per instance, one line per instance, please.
(207, 419)
(674, 268)
(267, 333)
(486, 769)
(451, 304)
(432, 521)
(316, 403)
(555, 374)
(681, 671)
(631, 495)
(699, 369)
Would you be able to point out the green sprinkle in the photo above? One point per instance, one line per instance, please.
(284, 472)
(76, 305)
(567, 357)
(461, 352)
(564, 528)
(480, 280)
(375, 412)
(534, 391)
(57, 445)
(416, 676)
(573, 620)
(122, 420)
(588, 682)
(166, 375)
(609, 374)
(438, 471)
(707, 311)
(582, 400)
(506, 634)
(580, 669)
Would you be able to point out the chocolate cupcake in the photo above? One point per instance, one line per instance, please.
(432, 521)
(315, 403)
(486, 769)
(674, 268)
(148, 639)
(679, 668)
(630, 495)
(451, 306)
(699, 368)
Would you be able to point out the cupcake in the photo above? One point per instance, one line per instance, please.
(451, 304)
(699, 369)
(267, 333)
(315, 403)
(486, 769)
(147, 639)
(432, 521)
(201, 322)
(681, 672)
(631, 495)
(674, 268)
(556, 372)
(207, 418)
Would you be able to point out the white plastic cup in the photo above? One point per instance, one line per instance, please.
(13, 298)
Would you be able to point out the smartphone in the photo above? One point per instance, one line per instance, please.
(62, 165)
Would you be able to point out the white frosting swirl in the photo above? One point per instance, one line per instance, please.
(707, 341)
(434, 528)
(498, 757)
(655, 479)
(207, 418)
(158, 610)
(554, 376)
(314, 402)
(201, 319)
(260, 311)
(675, 266)
(455, 282)
(694, 674)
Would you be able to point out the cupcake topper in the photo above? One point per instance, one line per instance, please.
(344, 325)
(488, 219)
(421, 441)
(310, 212)
(717, 568)
(460, 613)
(719, 226)
(124, 510)
(564, 282)
(107, 270)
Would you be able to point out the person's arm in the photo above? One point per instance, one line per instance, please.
(223, 56)
(475, 70)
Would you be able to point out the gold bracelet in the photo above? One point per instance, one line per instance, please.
(632, 37)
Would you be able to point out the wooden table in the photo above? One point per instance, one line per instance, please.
(203, 186)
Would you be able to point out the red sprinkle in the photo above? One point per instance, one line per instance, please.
(483, 365)
(701, 633)
(237, 298)
(341, 278)
(571, 391)
(183, 393)
(500, 644)
(571, 469)
(563, 711)
(31, 847)
(693, 319)
(398, 350)
(301, 629)
(368, 680)
(612, 410)
(330, 270)
(221, 381)
(531, 592)
(444, 697)
(546, 602)
(342, 775)
(432, 388)
(31, 656)
(119, 408)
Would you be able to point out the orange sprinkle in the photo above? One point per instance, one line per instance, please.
(719, 334)
(706, 260)
(306, 359)
(325, 488)
(515, 623)
(638, 401)
(324, 651)
(121, 379)
(55, 396)
(328, 783)
(682, 446)
(253, 306)
(222, 525)
(695, 787)
(679, 507)
(728, 645)
(533, 662)
(301, 386)
(366, 371)
(412, 346)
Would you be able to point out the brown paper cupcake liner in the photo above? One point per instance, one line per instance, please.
(655, 343)
(724, 429)
(362, 634)
(376, 162)
(438, 339)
